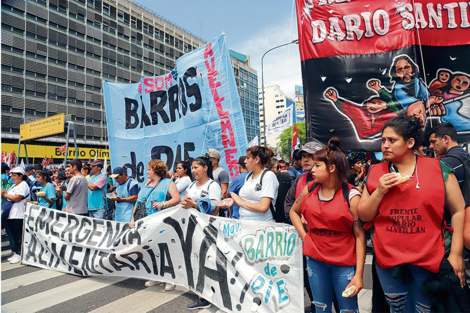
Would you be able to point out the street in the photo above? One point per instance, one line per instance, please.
(30, 289)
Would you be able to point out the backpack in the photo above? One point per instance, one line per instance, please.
(344, 186)
(293, 171)
(285, 182)
(5, 184)
(466, 182)
(192, 184)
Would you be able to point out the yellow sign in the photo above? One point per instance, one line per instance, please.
(42, 128)
(40, 152)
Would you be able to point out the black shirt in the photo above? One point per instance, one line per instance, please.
(352, 179)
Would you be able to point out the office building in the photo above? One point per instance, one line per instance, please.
(276, 103)
(56, 53)
(247, 82)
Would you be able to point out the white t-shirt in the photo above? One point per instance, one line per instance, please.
(182, 185)
(250, 193)
(208, 190)
(17, 210)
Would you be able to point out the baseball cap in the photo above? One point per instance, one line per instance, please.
(311, 147)
(97, 163)
(213, 154)
(118, 171)
(241, 160)
(17, 170)
(61, 175)
(353, 159)
(29, 168)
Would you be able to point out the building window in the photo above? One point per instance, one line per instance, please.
(106, 8)
(120, 16)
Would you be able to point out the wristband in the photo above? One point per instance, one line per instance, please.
(165, 204)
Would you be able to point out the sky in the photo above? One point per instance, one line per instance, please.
(251, 27)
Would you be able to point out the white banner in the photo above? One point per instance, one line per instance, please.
(281, 122)
(238, 265)
(254, 142)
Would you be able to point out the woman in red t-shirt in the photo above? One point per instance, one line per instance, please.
(405, 199)
(335, 244)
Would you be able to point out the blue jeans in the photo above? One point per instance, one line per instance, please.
(326, 279)
(101, 213)
(405, 298)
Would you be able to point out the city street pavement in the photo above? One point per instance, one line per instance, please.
(30, 289)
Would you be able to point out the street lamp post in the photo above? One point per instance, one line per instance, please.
(296, 41)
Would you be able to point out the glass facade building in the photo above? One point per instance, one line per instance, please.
(247, 82)
(56, 53)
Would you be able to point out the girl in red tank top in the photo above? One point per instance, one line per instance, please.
(405, 199)
(335, 243)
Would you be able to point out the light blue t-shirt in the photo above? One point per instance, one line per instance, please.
(96, 198)
(62, 193)
(50, 194)
(158, 194)
(124, 210)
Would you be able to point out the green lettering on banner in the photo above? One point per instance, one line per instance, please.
(260, 248)
(270, 244)
(291, 244)
(279, 244)
(250, 252)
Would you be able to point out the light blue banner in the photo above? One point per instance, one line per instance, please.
(179, 115)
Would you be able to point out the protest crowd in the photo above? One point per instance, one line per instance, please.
(409, 208)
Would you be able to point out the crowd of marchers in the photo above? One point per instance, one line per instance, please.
(408, 208)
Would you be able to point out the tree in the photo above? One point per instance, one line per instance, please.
(285, 139)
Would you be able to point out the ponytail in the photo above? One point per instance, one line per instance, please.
(205, 161)
(333, 155)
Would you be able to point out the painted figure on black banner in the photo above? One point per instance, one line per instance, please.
(368, 118)
(440, 81)
(457, 110)
(448, 97)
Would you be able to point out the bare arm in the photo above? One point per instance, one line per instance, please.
(466, 228)
(92, 187)
(369, 205)
(50, 201)
(175, 196)
(456, 206)
(295, 214)
(127, 199)
(360, 246)
(224, 188)
(15, 198)
(261, 207)
(67, 196)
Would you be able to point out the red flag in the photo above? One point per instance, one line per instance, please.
(295, 141)
(50, 160)
(62, 149)
(3, 157)
(44, 162)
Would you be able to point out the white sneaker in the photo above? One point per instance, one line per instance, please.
(151, 283)
(16, 259)
(169, 287)
(12, 256)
